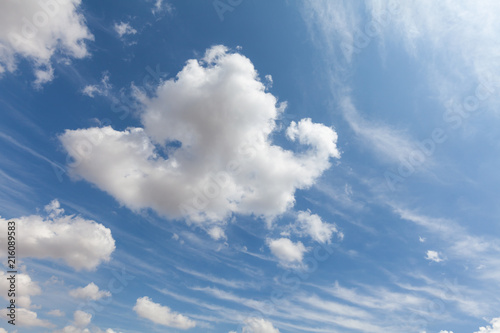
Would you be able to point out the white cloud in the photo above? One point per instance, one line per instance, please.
(445, 331)
(217, 233)
(464, 48)
(162, 315)
(389, 143)
(461, 244)
(25, 317)
(333, 18)
(36, 30)
(80, 322)
(81, 318)
(494, 328)
(124, 28)
(259, 325)
(90, 292)
(214, 121)
(101, 89)
(312, 225)
(433, 256)
(286, 250)
(24, 285)
(469, 37)
(82, 244)
(376, 297)
(269, 81)
(161, 6)
(43, 76)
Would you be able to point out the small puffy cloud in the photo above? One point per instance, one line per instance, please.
(90, 292)
(81, 318)
(43, 76)
(80, 322)
(421, 239)
(162, 315)
(217, 233)
(162, 6)
(259, 325)
(286, 250)
(37, 30)
(205, 149)
(494, 328)
(269, 81)
(24, 285)
(124, 28)
(25, 317)
(433, 256)
(81, 243)
(314, 227)
(445, 331)
(101, 89)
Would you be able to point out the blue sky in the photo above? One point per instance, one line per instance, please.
(250, 166)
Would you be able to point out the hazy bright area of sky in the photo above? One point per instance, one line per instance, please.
(251, 166)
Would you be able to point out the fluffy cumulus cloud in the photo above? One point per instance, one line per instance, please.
(36, 30)
(90, 292)
(494, 328)
(81, 243)
(287, 251)
(259, 325)
(312, 225)
(433, 256)
(205, 148)
(162, 315)
(24, 285)
(81, 318)
(80, 322)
